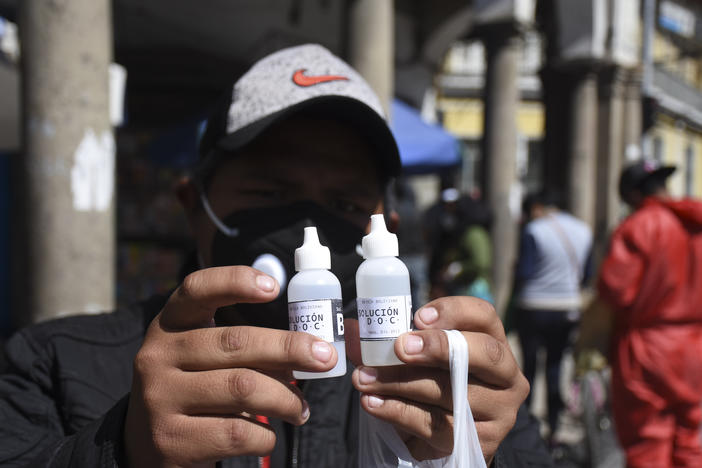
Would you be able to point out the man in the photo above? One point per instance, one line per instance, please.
(552, 266)
(651, 282)
(461, 260)
(299, 139)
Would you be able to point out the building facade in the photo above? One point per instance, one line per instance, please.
(673, 94)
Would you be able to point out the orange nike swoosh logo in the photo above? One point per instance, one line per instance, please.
(300, 79)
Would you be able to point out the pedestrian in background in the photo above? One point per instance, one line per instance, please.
(651, 284)
(461, 256)
(553, 263)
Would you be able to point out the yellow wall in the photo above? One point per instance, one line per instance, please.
(530, 119)
(464, 118)
(675, 138)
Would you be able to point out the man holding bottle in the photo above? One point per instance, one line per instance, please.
(203, 376)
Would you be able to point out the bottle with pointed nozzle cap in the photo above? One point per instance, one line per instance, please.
(383, 296)
(314, 301)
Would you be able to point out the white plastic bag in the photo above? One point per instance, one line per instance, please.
(380, 445)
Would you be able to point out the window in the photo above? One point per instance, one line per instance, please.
(689, 170)
(658, 149)
(534, 179)
(472, 170)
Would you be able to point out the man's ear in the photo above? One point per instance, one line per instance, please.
(393, 221)
(187, 194)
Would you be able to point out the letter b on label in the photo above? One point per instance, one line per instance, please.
(339, 324)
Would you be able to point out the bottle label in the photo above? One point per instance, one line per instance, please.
(381, 318)
(322, 318)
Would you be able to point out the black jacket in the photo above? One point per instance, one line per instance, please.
(63, 399)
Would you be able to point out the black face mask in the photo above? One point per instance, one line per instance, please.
(278, 231)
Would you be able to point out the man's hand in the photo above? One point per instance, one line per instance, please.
(196, 388)
(416, 398)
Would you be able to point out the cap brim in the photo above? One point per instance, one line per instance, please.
(663, 172)
(633, 177)
(339, 108)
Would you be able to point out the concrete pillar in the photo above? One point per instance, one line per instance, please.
(65, 243)
(582, 148)
(633, 117)
(555, 97)
(610, 144)
(501, 186)
(372, 45)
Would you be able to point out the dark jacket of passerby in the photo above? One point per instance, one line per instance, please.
(64, 398)
(652, 277)
(553, 261)
(461, 251)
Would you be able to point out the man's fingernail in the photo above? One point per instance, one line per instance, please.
(413, 344)
(321, 351)
(305, 411)
(265, 283)
(374, 401)
(428, 315)
(367, 375)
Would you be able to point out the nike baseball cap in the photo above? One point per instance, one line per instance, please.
(305, 78)
(634, 176)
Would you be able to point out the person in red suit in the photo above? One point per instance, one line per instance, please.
(651, 280)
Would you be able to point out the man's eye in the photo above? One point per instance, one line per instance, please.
(346, 206)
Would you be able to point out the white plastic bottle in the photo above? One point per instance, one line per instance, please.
(383, 296)
(314, 301)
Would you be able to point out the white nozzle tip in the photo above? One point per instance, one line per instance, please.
(312, 254)
(311, 237)
(379, 242)
(378, 223)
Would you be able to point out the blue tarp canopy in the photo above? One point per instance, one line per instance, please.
(423, 147)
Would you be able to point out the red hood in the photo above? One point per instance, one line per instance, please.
(688, 210)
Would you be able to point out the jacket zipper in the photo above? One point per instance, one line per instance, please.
(296, 433)
(296, 446)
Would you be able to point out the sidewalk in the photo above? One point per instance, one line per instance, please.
(576, 449)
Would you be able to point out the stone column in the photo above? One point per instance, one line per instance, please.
(582, 148)
(633, 118)
(610, 146)
(372, 45)
(64, 198)
(555, 92)
(501, 185)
